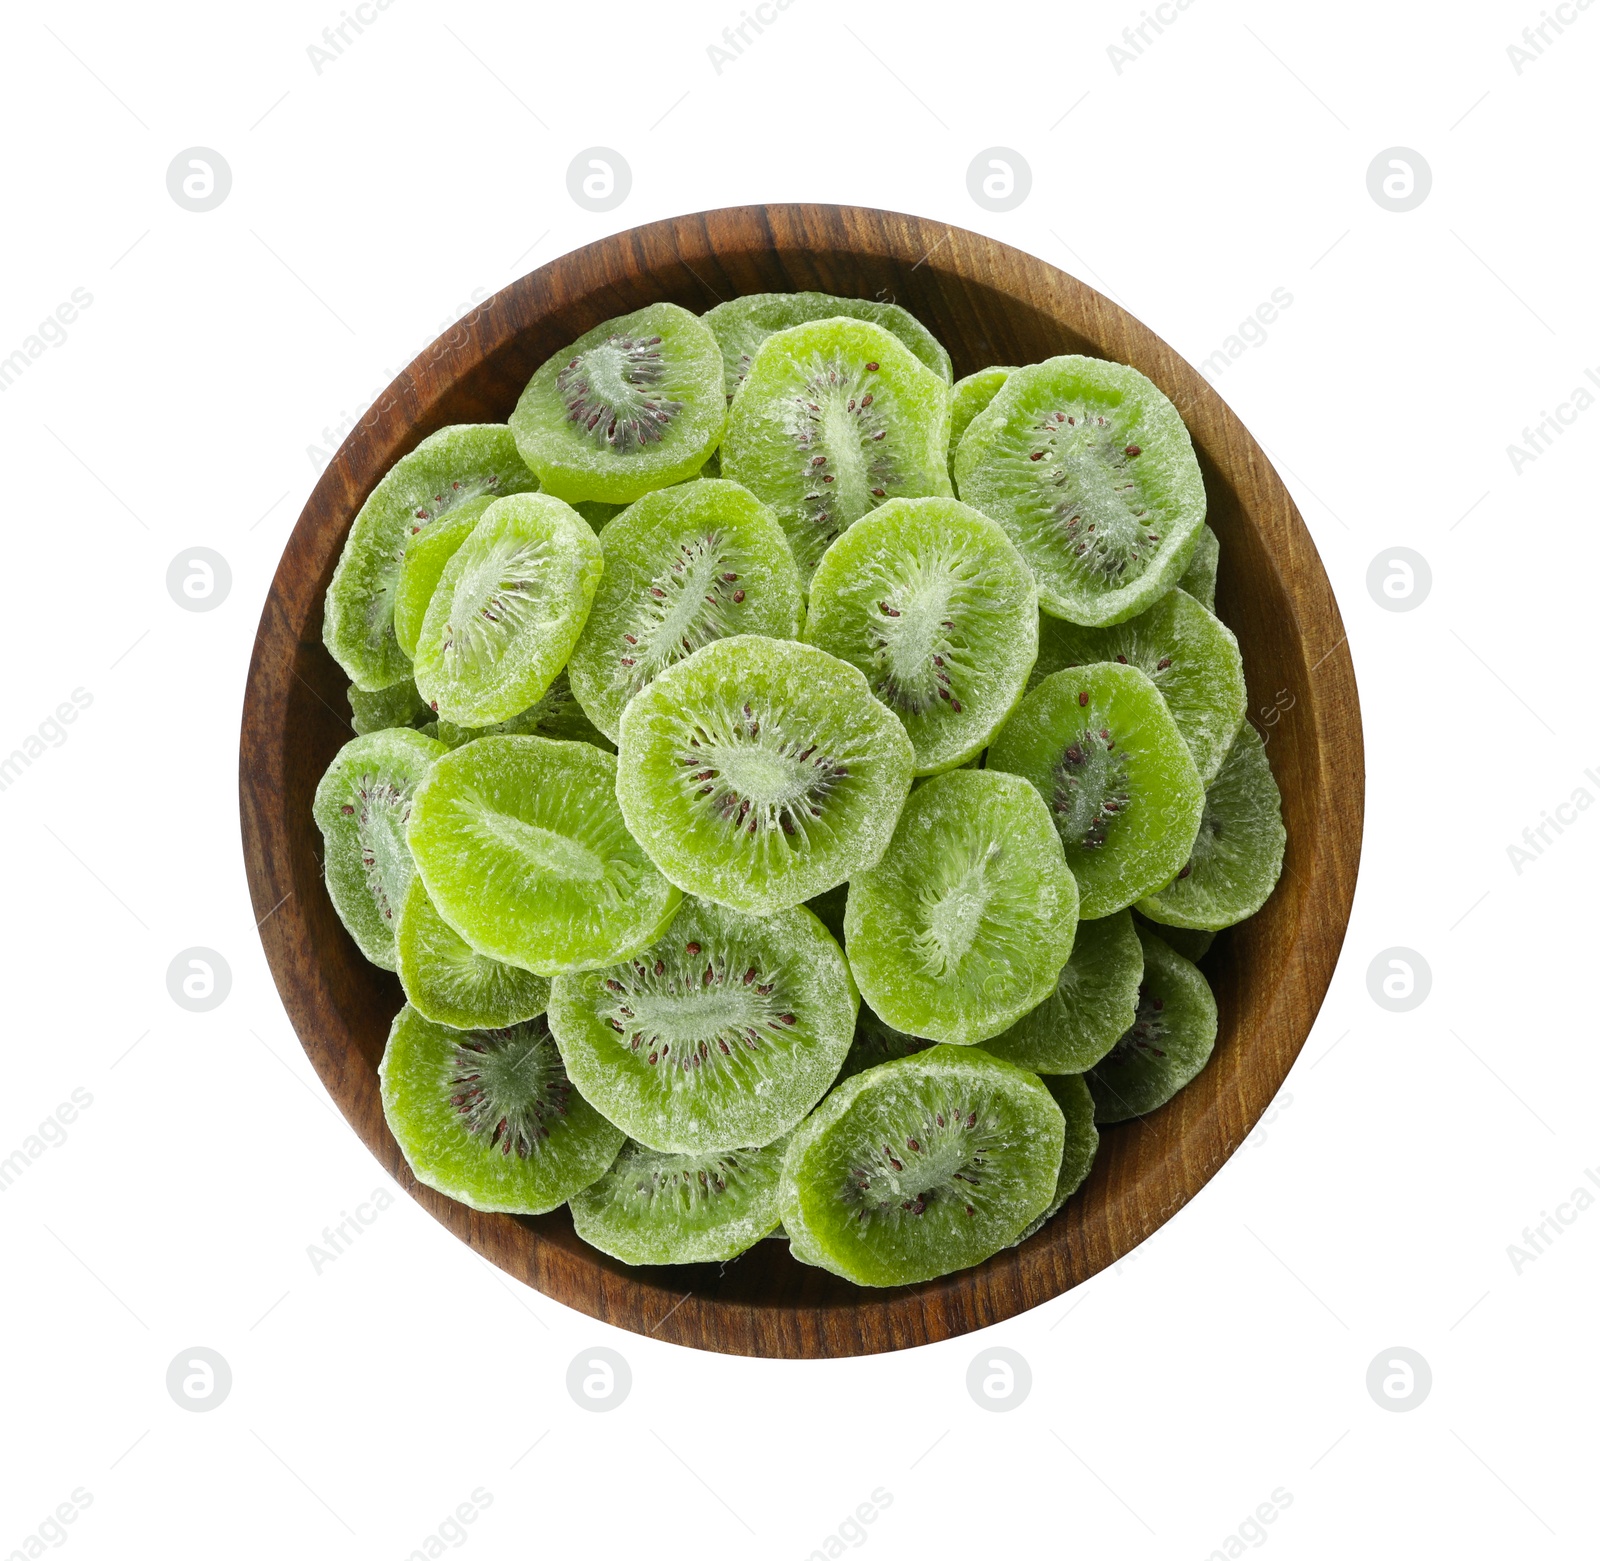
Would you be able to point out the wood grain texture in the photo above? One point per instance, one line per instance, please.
(989, 304)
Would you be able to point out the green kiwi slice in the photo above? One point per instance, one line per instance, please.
(742, 324)
(449, 468)
(525, 854)
(1200, 578)
(920, 1167)
(1071, 1094)
(759, 773)
(937, 609)
(362, 806)
(720, 1035)
(426, 554)
(684, 566)
(1101, 747)
(965, 923)
(681, 1208)
(448, 981)
(1190, 656)
(877, 1042)
(398, 705)
(834, 418)
(634, 404)
(1237, 855)
(1090, 469)
(1093, 1004)
(828, 908)
(1168, 1043)
(508, 608)
(598, 513)
(555, 714)
(489, 1117)
(968, 397)
(1193, 945)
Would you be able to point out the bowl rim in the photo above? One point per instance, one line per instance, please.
(786, 1323)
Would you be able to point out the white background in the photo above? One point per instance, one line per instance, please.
(426, 167)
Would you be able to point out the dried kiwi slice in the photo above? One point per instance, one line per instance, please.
(1191, 657)
(1168, 1043)
(968, 397)
(963, 926)
(426, 554)
(489, 1117)
(1200, 578)
(556, 714)
(1071, 1093)
(508, 608)
(1090, 469)
(634, 404)
(447, 469)
(921, 1167)
(681, 1208)
(525, 854)
(742, 324)
(362, 806)
(759, 773)
(1105, 754)
(937, 609)
(1094, 1002)
(833, 418)
(684, 566)
(398, 705)
(448, 981)
(720, 1035)
(1237, 855)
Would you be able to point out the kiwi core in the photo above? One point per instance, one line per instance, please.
(508, 1086)
(942, 1160)
(749, 774)
(612, 393)
(495, 598)
(1089, 479)
(692, 1006)
(1090, 788)
(381, 810)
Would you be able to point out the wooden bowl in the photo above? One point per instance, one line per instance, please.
(988, 303)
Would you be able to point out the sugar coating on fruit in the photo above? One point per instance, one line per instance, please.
(524, 852)
(1103, 751)
(1191, 657)
(834, 418)
(741, 325)
(634, 404)
(684, 566)
(761, 772)
(448, 469)
(508, 608)
(933, 604)
(1093, 1004)
(1090, 469)
(398, 705)
(720, 1035)
(922, 1166)
(962, 926)
(1169, 1042)
(699, 1208)
(363, 808)
(1237, 855)
(490, 1117)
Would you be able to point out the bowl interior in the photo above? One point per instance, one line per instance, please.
(988, 304)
